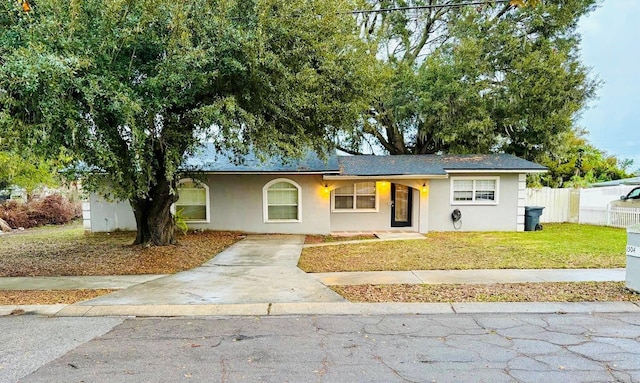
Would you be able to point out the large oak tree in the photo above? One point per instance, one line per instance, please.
(503, 76)
(132, 86)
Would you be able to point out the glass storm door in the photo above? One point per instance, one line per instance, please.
(400, 205)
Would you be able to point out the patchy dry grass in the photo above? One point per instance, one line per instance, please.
(500, 292)
(48, 297)
(67, 250)
(557, 246)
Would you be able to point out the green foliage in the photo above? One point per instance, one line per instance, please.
(578, 165)
(130, 87)
(180, 221)
(27, 172)
(492, 78)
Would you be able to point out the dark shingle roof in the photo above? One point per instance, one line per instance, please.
(432, 164)
(209, 159)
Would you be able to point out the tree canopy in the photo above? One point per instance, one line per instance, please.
(496, 77)
(579, 164)
(130, 87)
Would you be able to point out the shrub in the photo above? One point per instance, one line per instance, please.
(50, 210)
(16, 214)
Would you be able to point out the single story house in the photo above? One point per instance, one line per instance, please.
(416, 193)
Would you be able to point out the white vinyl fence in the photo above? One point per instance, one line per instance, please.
(622, 216)
(589, 206)
(593, 215)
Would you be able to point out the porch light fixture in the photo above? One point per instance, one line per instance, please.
(424, 187)
(326, 188)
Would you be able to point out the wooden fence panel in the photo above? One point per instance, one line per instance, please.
(557, 204)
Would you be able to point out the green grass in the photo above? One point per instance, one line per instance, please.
(570, 246)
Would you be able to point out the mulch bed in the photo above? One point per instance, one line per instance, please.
(48, 297)
(106, 254)
(501, 292)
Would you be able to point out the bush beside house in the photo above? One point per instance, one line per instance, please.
(50, 210)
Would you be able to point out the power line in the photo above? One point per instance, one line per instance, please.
(420, 7)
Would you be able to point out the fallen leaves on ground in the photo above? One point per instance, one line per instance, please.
(64, 252)
(48, 297)
(500, 292)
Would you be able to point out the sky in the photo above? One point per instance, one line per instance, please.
(611, 48)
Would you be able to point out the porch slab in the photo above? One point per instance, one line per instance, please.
(399, 235)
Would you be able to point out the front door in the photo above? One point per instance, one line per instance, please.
(400, 205)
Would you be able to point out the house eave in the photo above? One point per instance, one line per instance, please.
(458, 171)
(292, 172)
(331, 177)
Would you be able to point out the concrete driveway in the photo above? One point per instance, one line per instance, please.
(258, 269)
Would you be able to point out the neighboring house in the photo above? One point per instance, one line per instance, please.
(415, 193)
(623, 181)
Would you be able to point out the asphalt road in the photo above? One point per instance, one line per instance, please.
(394, 348)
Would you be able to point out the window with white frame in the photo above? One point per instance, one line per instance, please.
(193, 200)
(282, 201)
(474, 190)
(360, 196)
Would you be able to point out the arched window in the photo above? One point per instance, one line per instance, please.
(282, 201)
(193, 200)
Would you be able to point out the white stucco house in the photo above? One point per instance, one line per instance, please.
(416, 193)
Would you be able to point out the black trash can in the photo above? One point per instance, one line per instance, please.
(532, 218)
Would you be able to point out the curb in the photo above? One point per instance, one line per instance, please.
(347, 308)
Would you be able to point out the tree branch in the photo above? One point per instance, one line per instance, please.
(504, 10)
(349, 151)
(412, 54)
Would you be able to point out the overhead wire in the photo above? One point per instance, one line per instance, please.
(430, 6)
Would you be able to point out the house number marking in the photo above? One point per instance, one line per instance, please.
(633, 251)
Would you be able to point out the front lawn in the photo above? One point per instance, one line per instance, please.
(67, 250)
(569, 246)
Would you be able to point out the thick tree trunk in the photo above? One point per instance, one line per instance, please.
(156, 226)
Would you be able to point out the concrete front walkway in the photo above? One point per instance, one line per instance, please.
(258, 269)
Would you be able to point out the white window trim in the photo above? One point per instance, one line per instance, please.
(265, 201)
(474, 202)
(207, 205)
(354, 209)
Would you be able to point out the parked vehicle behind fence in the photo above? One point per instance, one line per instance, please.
(632, 199)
